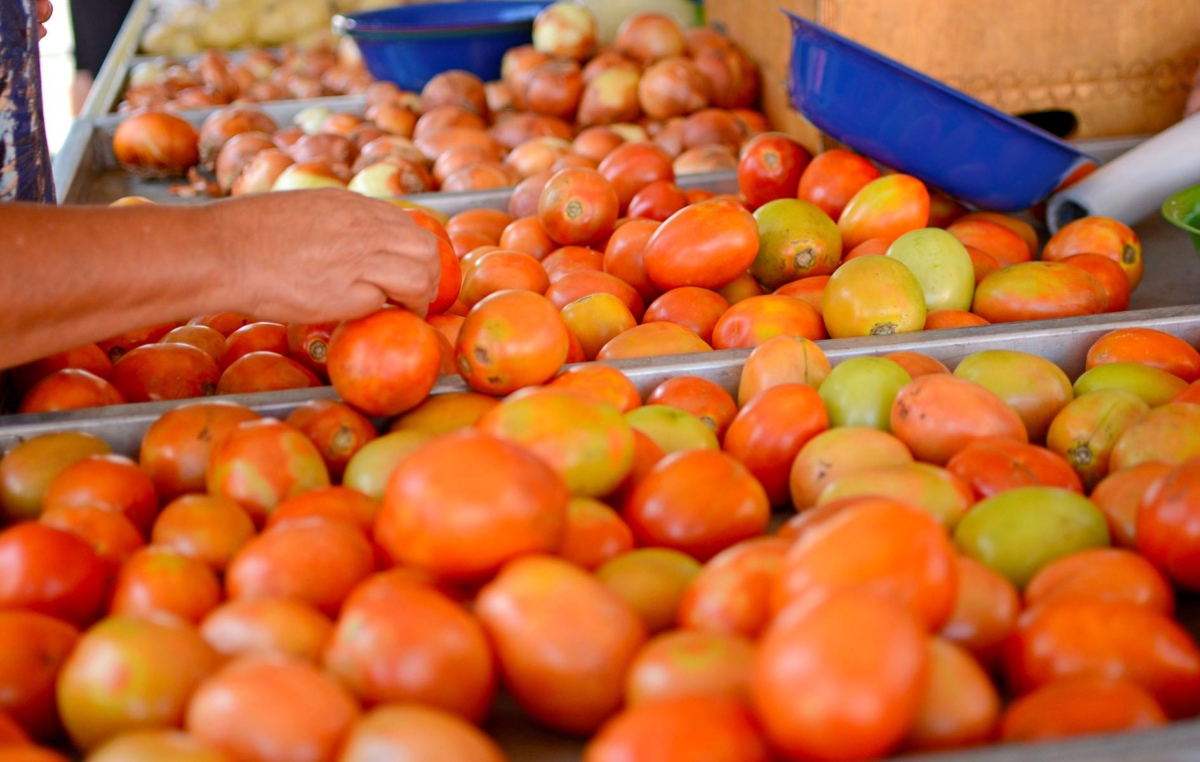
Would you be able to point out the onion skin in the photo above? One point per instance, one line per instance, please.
(306, 176)
(237, 153)
(456, 88)
(388, 146)
(673, 87)
(608, 60)
(649, 37)
(155, 144)
(222, 125)
(456, 158)
(260, 174)
(326, 148)
(390, 178)
(610, 98)
(554, 89)
(393, 119)
(565, 31)
(714, 157)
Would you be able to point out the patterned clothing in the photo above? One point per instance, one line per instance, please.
(24, 156)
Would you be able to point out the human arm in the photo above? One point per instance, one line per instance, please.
(70, 275)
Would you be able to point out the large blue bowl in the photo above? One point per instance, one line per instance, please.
(916, 125)
(411, 44)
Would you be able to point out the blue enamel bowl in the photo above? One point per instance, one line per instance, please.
(916, 125)
(411, 44)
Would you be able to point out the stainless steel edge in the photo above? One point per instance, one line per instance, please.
(109, 86)
(1064, 342)
(281, 111)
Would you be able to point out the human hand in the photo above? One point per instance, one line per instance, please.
(44, 11)
(324, 255)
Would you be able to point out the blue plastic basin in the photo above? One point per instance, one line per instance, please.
(918, 126)
(411, 44)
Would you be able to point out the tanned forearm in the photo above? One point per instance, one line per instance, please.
(73, 275)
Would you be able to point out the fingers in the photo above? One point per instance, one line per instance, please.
(44, 11)
(409, 271)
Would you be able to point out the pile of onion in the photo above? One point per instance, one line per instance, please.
(155, 144)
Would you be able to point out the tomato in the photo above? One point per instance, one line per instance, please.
(308, 344)
(35, 647)
(576, 285)
(960, 706)
(501, 270)
(1169, 434)
(916, 363)
(119, 346)
(769, 431)
(943, 210)
(731, 594)
(651, 580)
(110, 534)
(832, 178)
(254, 337)
(1157, 387)
(757, 319)
(27, 470)
(706, 244)
(400, 641)
(443, 413)
(933, 490)
(886, 549)
(595, 534)
(417, 732)
(1038, 291)
(588, 443)
(157, 372)
(50, 571)
(159, 580)
(87, 357)
(265, 372)
(338, 431)
(268, 708)
(810, 290)
(1165, 518)
(863, 690)
(1081, 706)
(1103, 574)
(782, 360)
(1108, 274)
(653, 340)
(887, 207)
(872, 296)
(597, 319)
(795, 240)
(986, 606)
(371, 467)
(1015, 224)
(938, 415)
(624, 256)
(69, 389)
(940, 264)
(282, 626)
(1147, 346)
(385, 363)
(1078, 638)
(343, 504)
(151, 745)
(111, 482)
(311, 560)
(860, 391)
(994, 465)
(176, 448)
(600, 383)
(224, 323)
(491, 362)
(657, 201)
(999, 241)
(259, 464)
(704, 399)
(435, 520)
(1099, 235)
(1119, 497)
(564, 641)
(770, 168)
(713, 728)
(741, 288)
(1018, 532)
(129, 673)
(694, 308)
(939, 320)
(839, 452)
(1087, 429)
(632, 166)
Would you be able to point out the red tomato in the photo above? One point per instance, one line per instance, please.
(578, 207)
(998, 464)
(832, 178)
(770, 168)
(685, 663)
(160, 580)
(711, 728)
(732, 594)
(35, 647)
(1081, 706)
(1102, 574)
(960, 706)
(770, 430)
(50, 571)
(1167, 529)
(707, 244)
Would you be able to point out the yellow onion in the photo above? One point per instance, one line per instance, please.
(155, 144)
(389, 178)
(307, 176)
(226, 123)
(260, 174)
(237, 153)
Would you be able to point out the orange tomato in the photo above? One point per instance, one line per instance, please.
(265, 372)
(653, 581)
(653, 340)
(942, 319)
(833, 454)
(35, 647)
(69, 389)
(87, 357)
(111, 482)
(686, 663)
(1119, 495)
(673, 730)
(707, 244)
(917, 364)
(488, 222)
(343, 504)
(1164, 524)
(702, 398)
(731, 595)
(159, 580)
(623, 256)
(782, 360)
(754, 321)
(769, 431)
(960, 706)
(1103, 574)
(576, 285)
(863, 690)
(657, 201)
(1081, 706)
(50, 571)
(1038, 291)
(110, 534)
(1108, 274)
(832, 178)
(810, 290)
(887, 208)
(156, 372)
(209, 529)
(527, 234)
(1146, 346)
(385, 363)
(261, 463)
(938, 415)
(417, 732)
(770, 167)
(254, 337)
(601, 383)
(997, 464)
(632, 166)
(1099, 235)
(338, 431)
(571, 258)
(999, 241)
(491, 362)
(694, 308)
(176, 448)
(986, 606)
(595, 534)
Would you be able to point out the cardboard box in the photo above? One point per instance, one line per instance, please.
(1123, 67)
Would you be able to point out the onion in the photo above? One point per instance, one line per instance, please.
(325, 148)
(222, 125)
(260, 63)
(301, 87)
(670, 138)
(312, 62)
(713, 125)
(456, 88)
(565, 31)
(442, 117)
(179, 77)
(709, 158)
(244, 78)
(213, 68)
(341, 123)
(673, 87)
(731, 74)
(511, 130)
(432, 146)
(753, 122)
(262, 92)
(146, 97)
(393, 118)
(499, 97)
(390, 178)
(312, 119)
(458, 157)
(536, 155)
(515, 68)
(147, 73)
(154, 144)
(597, 142)
(287, 137)
(633, 133)
(389, 147)
(306, 176)
(363, 134)
(610, 97)
(261, 172)
(196, 97)
(237, 153)
(524, 199)
(608, 60)
(477, 177)
(554, 89)
(703, 38)
(649, 37)
(382, 92)
(574, 161)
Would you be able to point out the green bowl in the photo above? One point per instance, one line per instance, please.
(1183, 210)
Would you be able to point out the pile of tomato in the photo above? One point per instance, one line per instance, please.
(989, 554)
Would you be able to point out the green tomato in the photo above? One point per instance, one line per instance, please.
(1155, 386)
(795, 240)
(1018, 532)
(672, 429)
(1035, 387)
(941, 265)
(371, 467)
(860, 392)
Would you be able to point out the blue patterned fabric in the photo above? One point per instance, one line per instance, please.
(24, 157)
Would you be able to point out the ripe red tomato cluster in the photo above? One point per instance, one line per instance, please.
(986, 555)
